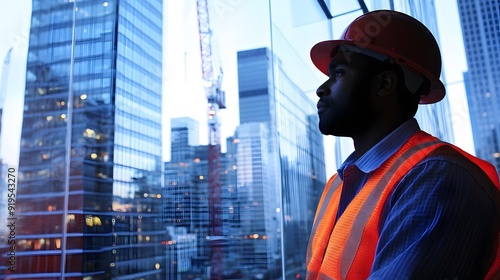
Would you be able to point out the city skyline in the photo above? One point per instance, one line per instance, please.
(271, 176)
(114, 172)
(452, 52)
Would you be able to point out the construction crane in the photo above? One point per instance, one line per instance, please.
(216, 101)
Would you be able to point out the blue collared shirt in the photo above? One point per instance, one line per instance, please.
(437, 224)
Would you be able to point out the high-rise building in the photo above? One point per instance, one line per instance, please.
(180, 173)
(295, 161)
(184, 137)
(89, 193)
(258, 202)
(186, 205)
(481, 33)
(272, 175)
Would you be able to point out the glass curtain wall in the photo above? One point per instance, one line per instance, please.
(114, 165)
(273, 167)
(89, 182)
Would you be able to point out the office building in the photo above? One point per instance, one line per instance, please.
(295, 157)
(183, 138)
(258, 236)
(187, 202)
(481, 34)
(272, 175)
(89, 193)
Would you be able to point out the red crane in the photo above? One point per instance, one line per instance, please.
(216, 100)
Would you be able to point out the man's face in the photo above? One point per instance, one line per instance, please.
(344, 99)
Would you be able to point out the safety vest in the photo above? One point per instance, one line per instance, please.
(345, 249)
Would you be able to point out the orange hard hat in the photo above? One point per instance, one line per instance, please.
(391, 34)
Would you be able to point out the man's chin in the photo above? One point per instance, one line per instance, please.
(325, 130)
(330, 130)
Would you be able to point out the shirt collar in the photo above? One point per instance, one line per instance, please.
(379, 153)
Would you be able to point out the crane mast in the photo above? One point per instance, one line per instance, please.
(216, 101)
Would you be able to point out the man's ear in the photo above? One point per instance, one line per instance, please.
(387, 83)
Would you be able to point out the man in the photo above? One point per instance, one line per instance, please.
(404, 205)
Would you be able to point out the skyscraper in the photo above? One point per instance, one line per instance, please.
(271, 177)
(481, 33)
(186, 205)
(258, 202)
(183, 138)
(89, 194)
(295, 146)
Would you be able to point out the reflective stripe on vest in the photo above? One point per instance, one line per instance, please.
(346, 249)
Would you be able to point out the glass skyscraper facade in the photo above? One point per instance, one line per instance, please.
(481, 33)
(95, 200)
(258, 201)
(267, 95)
(89, 193)
(186, 206)
(272, 176)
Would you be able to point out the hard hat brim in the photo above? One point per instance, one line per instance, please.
(322, 53)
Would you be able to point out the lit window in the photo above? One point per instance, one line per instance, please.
(92, 221)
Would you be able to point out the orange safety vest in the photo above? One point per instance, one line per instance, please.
(346, 249)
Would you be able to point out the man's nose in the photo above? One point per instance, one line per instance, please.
(323, 89)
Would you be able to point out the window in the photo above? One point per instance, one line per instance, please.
(119, 167)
